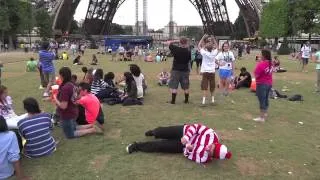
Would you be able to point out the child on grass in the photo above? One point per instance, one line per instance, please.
(164, 77)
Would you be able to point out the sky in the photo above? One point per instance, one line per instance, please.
(184, 13)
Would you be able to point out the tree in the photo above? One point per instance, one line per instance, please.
(4, 20)
(240, 28)
(306, 14)
(274, 19)
(44, 23)
(27, 21)
(74, 28)
(192, 32)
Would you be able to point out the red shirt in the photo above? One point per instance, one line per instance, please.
(263, 72)
(91, 105)
(66, 93)
(200, 137)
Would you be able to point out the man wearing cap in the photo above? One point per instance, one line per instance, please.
(197, 142)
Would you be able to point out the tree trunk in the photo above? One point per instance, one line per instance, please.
(10, 42)
(309, 37)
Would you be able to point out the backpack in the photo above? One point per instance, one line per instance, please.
(296, 97)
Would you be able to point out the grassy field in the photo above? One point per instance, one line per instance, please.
(280, 148)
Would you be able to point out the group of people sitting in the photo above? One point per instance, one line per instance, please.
(105, 89)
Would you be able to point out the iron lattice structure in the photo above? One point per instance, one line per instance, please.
(100, 13)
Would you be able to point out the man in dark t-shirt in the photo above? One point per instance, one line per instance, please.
(244, 79)
(180, 69)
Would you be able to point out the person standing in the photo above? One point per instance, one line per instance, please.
(208, 67)
(46, 59)
(317, 60)
(225, 59)
(263, 74)
(305, 54)
(180, 69)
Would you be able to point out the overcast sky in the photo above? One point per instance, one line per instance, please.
(184, 12)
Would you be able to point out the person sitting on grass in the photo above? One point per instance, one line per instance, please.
(243, 80)
(74, 78)
(197, 142)
(65, 56)
(130, 96)
(88, 75)
(94, 61)
(276, 65)
(6, 109)
(68, 109)
(77, 61)
(10, 153)
(164, 78)
(91, 106)
(98, 83)
(32, 65)
(36, 130)
(140, 80)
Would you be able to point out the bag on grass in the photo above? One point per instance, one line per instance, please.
(296, 97)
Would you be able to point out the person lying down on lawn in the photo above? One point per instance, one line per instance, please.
(197, 142)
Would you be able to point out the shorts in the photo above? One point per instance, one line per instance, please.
(179, 77)
(305, 61)
(208, 79)
(49, 77)
(69, 127)
(225, 73)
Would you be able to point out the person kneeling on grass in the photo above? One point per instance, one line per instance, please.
(197, 142)
(68, 109)
(36, 129)
(32, 65)
(164, 77)
(91, 106)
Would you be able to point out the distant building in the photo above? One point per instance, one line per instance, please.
(140, 27)
(177, 29)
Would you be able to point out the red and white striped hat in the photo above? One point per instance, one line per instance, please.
(221, 152)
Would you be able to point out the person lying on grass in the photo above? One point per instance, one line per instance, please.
(197, 142)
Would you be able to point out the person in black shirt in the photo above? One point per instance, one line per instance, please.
(244, 79)
(180, 69)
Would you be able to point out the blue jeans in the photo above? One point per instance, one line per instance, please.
(69, 127)
(262, 92)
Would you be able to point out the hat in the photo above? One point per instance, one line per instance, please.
(221, 152)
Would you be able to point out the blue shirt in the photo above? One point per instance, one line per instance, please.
(37, 132)
(114, 48)
(46, 59)
(9, 153)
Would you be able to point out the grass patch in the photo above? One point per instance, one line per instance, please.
(260, 151)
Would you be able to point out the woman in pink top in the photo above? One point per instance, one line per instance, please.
(263, 74)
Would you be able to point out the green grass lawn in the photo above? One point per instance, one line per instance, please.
(260, 151)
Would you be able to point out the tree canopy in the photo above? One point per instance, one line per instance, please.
(274, 19)
(192, 32)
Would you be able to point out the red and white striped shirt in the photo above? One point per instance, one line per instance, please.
(200, 137)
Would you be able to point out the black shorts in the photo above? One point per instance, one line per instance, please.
(305, 61)
(179, 77)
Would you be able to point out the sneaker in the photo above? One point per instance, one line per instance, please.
(259, 119)
(149, 133)
(131, 148)
(45, 94)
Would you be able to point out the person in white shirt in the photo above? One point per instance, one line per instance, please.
(121, 51)
(225, 59)
(139, 79)
(305, 54)
(209, 52)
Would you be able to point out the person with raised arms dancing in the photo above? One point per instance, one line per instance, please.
(225, 59)
(209, 52)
